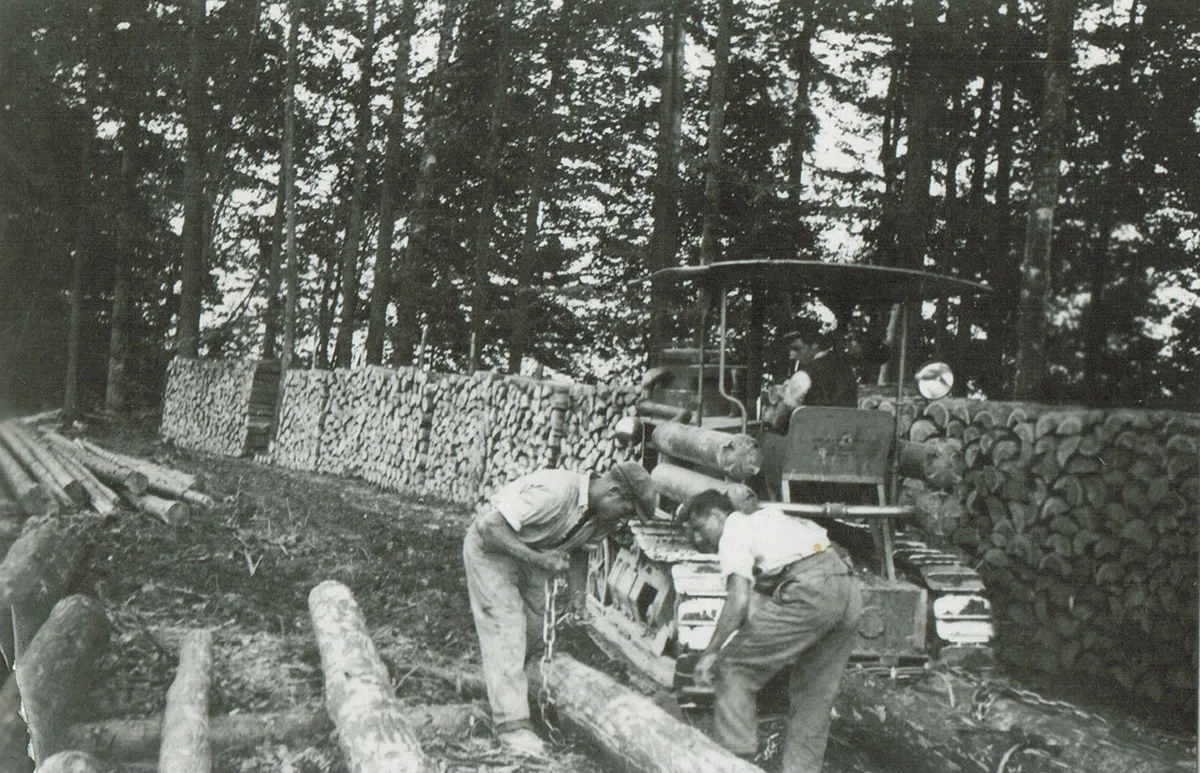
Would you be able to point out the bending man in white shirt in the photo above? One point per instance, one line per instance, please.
(807, 618)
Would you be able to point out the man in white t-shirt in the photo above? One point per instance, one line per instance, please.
(531, 530)
(807, 617)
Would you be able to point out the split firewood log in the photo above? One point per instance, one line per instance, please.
(56, 668)
(629, 728)
(371, 727)
(185, 743)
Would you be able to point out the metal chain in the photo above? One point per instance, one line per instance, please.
(546, 667)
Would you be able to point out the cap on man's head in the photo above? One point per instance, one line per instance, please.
(805, 329)
(635, 483)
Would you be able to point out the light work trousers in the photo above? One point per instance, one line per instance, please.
(810, 623)
(507, 601)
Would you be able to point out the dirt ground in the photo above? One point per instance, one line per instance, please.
(245, 568)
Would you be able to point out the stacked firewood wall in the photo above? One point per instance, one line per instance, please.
(1084, 523)
(298, 437)
(590, 421)
(219, 406)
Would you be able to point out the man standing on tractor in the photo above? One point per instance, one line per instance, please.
(806, 616)
(531, 531)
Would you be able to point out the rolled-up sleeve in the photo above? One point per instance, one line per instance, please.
(734, 552)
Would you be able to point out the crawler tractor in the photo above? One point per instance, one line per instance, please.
(654, 599)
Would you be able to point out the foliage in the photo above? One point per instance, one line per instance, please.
(837, 111)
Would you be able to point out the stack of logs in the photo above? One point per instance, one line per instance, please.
(452, 436)
(220, 406)
(1085, 524)
(47, 473)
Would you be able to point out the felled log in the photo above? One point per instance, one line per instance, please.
(36, 469)
(680, 484)
(185, 744)
(14, 735)
(35, 573)
(13, 433)
(736, 456)
(102, 499)
(33, 499)
(372, 730)
(157, 475)
(129, 740)
(637, 735)
(168, 511)
(948, 724)
(116, 475)
(45, 417)
(56, 668)
(74, 762)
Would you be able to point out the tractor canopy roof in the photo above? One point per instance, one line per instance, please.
(847, 281)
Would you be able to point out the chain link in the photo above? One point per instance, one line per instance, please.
(546, 667)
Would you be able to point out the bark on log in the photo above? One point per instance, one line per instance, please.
(34, 499)
(35, 573)
(922, 729)
(116, 475)
(736, 456)
(74, 762)
(637, 735)
(168, 511)
(157, 474)
(185, 744)
(14, 736)
(680, 484)
(36, 469)
(103, 500)
(131, 740)
(371, 727)
(15, 434)
(55, 670)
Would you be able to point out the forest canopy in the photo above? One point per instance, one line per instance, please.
(467, 184)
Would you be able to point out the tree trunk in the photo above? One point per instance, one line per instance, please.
(372, 731)
(54, 672)
(270, 347)
(1043, 198)
(185, 744)
(664, 209)
(545, 160)
(939, 725)
(486, 223)
(716, 133)
(627, 727)
(381, 287)
(187, 336)
(118, 340)
(35, 573)
(343, 348)
(803, 121)
(288, 173)
(414, 255)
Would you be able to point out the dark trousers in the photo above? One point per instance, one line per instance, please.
(809, 622)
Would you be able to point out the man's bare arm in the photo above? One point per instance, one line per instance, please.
(499, 537)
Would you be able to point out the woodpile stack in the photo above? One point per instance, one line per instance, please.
(48, 473)
(1085, 525)
(589, 440)
(452, 436)
(220, 406)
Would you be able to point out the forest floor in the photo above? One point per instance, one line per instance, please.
(244, 569)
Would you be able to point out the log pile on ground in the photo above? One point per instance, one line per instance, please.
(1085, 524)
(48, 473)
(220, 406)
